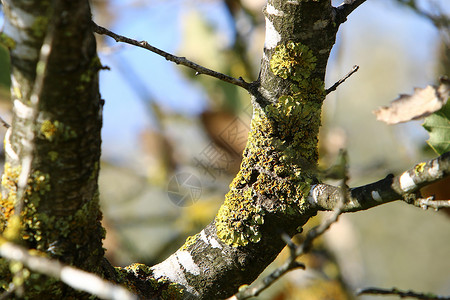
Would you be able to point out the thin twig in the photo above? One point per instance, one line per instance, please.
(426, 203)
(291, 263)
(4, 123)
(75, 278)
(176, 59)
(401, 294)
(334, 86)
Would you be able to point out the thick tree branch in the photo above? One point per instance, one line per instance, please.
(176, 59)
(402, 187)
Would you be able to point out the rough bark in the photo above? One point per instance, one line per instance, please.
(276, 190)
(57, 114)
(269, 194)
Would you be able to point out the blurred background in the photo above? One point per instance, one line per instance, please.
(172, 141)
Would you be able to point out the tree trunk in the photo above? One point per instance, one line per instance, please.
(56, 125)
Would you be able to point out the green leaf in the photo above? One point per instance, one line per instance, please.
(438, 126)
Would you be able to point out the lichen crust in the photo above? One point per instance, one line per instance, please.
(280, 158)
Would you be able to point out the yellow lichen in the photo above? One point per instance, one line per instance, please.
(9, 183)
(48, 129)
(281, 152)
(293, 60)
(12, 232)
(190, 241)
(419, 168)
(56, 130)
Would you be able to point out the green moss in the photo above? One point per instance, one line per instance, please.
(53, 155)
(38, 186)
(140, 270)
(94, 172)
(164, 286)
(281, 153)
(92, 71)
(7, 41)
(39, 27)
(5, 279)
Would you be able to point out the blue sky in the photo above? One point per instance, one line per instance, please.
(160, 24)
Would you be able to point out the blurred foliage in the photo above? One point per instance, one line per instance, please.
(438, 126)
(208, 147)
(5, 80)
(144, 226)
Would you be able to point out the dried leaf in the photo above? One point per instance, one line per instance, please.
(422, 103)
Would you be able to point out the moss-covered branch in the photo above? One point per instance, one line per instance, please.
(60, 213)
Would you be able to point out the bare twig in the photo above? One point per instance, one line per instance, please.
(391, 188)
(291, 263)
(4, 123)
(401, 294)
(176, 59)
(426, 203)
(75, 278)
(342, 80)
(305, 247)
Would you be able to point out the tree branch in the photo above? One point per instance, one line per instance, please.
(345, 9)
(342, 80)
(176, 59)
(402, 187)
(402, 294)
(291, 263)
(430, 202)
(75, 278)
